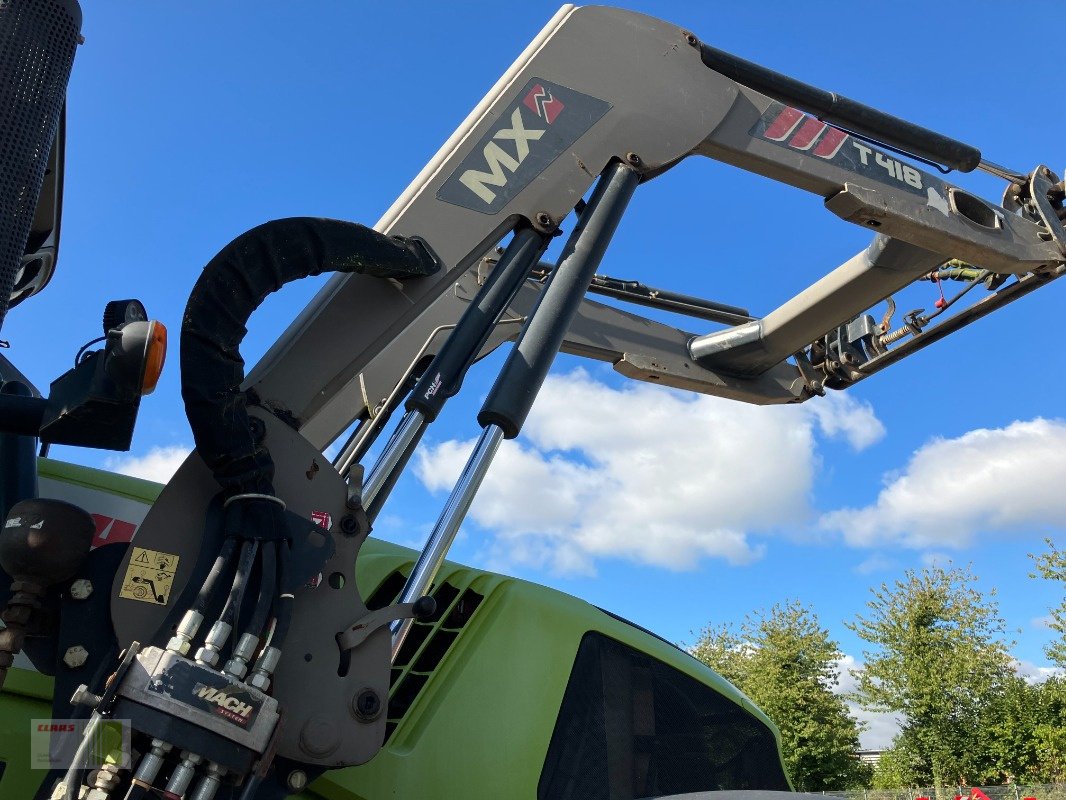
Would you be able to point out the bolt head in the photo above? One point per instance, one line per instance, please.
(544, 219)
(366, 705)
(259, 681)
(297, 780)
(634, 159)
(81, 589)
(75, 656)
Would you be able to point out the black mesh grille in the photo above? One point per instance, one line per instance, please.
(37, 43)
(427, 642)
(633, 727)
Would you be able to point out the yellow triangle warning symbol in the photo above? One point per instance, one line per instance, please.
(142, 557)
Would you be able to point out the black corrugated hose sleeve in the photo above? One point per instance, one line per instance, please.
(231, 287)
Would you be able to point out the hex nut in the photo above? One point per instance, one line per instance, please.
(179, 644)
(81, 589)
(75, 656)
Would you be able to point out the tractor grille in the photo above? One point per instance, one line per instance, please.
(427, 642)
(37, 43)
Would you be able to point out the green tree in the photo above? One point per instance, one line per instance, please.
(1049, 733)
(787, 664)
(1052, 565)
(939, 659)
(1027, 724)
(897, 766)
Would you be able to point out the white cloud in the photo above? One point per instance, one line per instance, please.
(985, 480)
(651, 475)
(159, 464)
(1043, 622)
(841, 415)
(875, 563)
(935, 560)
(1034, 673)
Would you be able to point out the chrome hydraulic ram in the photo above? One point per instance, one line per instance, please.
(444, 376)
(522, 375)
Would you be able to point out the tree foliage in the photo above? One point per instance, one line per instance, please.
(939, 659)
(787, 664)
(1052, 565)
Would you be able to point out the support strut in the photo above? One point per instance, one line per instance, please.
(522, 375)
(444, 376)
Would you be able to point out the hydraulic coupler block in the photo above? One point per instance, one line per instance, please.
(196, 709)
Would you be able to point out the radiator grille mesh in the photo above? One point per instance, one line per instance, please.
(37, 43)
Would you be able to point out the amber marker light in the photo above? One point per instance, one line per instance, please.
(155, 356)
(135, 353)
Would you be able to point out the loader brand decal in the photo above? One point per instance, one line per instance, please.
(542, 103)
(791, 128)
(228, 705)
(149, 576)
(534, 129)
(208, 691)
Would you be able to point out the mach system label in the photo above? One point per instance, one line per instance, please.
(540, 124)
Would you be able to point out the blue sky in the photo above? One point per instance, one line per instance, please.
(188, 127)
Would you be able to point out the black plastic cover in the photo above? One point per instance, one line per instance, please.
(633, 727)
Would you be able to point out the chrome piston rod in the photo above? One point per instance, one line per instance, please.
(523, 373)
(445, 373)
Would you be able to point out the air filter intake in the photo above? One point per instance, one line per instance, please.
(37, 43)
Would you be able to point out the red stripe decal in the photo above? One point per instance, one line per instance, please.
(784, 124)
(830, 144)
(808, 134)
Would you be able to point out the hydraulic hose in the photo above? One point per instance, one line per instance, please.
(203, 597)
(240, 581)
(283, 599)
(268, 579)
(231, 287)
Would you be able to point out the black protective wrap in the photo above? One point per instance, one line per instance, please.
(37, 43)
(231, 287)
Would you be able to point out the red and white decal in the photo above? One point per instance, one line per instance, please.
(542, 103)
(804, 132)
(110, 530)
(117, 516)
(322, 519)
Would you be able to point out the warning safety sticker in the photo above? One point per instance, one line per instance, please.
(149, 576)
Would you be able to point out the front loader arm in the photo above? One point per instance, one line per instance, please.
(648, 95)
(599, 84)
(601, 100)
